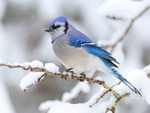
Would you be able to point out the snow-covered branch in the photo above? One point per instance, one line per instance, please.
(139, 77)
(40, 70)
(96, 98)
(128, 27)
(79, 87)
(121, 34)
(37, 71)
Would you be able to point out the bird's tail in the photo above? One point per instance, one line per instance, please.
(125, 81)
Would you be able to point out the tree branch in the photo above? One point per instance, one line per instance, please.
(104, 93)
(65, 76)
(112, 108)
(127, 29)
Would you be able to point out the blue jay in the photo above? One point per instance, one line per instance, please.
(76, 51)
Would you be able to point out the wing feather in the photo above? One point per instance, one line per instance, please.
(78, 39)
(101, 53)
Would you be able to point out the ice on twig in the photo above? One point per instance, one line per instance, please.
(80, 87)
(31, 79)
(26, 65)
(36, 63)
(51, 67)
(34, 77)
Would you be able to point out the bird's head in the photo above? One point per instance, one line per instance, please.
(58, 27)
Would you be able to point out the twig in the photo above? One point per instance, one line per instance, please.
(148, 75)
(104, 93)
(112, 108)
(116, 84)
(66, 76)
(128, 27)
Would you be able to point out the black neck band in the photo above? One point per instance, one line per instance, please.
(66, 27)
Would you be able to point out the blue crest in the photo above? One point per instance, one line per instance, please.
(59, 19)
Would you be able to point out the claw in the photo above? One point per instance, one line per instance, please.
(82, 77)
(69, 71)
(64, 78)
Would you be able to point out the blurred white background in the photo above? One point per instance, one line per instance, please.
(22, 40)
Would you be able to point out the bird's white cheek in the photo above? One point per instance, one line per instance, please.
(55, 34)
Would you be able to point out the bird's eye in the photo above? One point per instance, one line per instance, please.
(58, 26)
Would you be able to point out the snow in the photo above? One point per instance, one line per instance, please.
(103, 106)
(96, 96)
(80, 87)
(36, 63)
(51, 67)
(147, 69)
(5, 101)
(1, 61)
(119, 55)
(115, 36)
(26, 65)
(99, 78)
(147, 98)
(14, 64)
(70, 108)
(139, 79)
(121, 8)
(117, 11)
(31, 79)
(47, 105)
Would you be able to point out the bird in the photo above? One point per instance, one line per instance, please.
(77, 52)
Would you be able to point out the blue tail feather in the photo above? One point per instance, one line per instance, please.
(120, 77)
(125, 81)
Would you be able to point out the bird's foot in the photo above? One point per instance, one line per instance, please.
(64, 77)
(69, 71)
(82, 77)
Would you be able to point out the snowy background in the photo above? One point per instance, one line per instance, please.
(22, 40)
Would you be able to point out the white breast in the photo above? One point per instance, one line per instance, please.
(72, 57)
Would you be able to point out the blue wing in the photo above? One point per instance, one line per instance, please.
(78, 39)
(101, 53)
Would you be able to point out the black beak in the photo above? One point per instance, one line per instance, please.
(50, 29)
